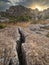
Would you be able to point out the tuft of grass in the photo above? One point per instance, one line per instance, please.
(2, 26)
(47, 35)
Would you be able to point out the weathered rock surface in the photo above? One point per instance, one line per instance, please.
(39, 28)
(36, 47)
(8, 46)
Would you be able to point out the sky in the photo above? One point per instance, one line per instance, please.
(39, 4)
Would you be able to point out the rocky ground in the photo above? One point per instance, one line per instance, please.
(36, 45)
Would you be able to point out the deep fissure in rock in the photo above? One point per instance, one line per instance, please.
(20, 49)
(11, 62)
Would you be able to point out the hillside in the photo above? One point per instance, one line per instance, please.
(21, 13)
(18, 10)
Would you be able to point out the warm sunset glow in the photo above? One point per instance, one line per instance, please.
(40, 8)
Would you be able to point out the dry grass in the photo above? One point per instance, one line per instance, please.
(26, 24)
(39, 22)
(43, 21)
(21, 24)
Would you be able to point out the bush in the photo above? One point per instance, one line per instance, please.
(23, 18)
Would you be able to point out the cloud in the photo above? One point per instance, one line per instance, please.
(15, 2)
(6, 3)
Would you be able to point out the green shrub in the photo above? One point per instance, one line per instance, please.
(23, 18)
(19, 19)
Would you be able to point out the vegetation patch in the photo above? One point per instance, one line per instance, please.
(47, 34)
(13, 19)
(2, 26)
(19, 19)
